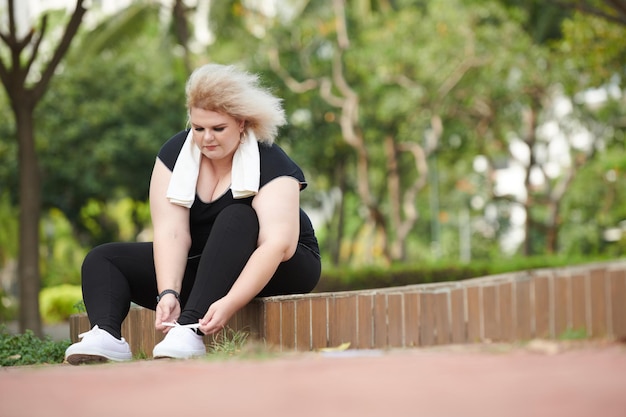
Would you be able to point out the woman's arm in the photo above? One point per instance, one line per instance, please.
(171, 243)
(278, 209)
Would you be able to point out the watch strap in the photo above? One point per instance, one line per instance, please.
(168, 291)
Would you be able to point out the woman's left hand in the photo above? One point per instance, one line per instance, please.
(217, 316)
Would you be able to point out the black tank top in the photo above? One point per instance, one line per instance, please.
(274, 163)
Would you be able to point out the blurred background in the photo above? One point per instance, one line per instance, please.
(441, 139)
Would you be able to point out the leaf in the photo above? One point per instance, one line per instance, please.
(340, 348)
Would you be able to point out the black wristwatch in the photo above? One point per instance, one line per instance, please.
(167, 292)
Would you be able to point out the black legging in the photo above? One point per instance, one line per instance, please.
(114, 274)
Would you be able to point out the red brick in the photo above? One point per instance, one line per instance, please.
(250, 318)
(523, 312)
(474, 320)
(395, 320)
(617, 280)
(505, 301)
(343, 327)
(303, 324)
(380, 321)
(597, 288)
(457, 318)
(288, 325)
(427, 319)
(491, 317)
(272, 323)
(543, 309)
(412, 319)
(578, 314)
(366, 322)
(319, 338)
(561, 304)
(442, 318)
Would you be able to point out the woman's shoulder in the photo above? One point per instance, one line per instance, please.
(276, 163)
(168, 153)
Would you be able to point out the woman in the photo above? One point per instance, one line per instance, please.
(227, 226)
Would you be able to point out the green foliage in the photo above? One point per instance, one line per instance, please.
(574, 334)
(593, 47)
(595, 204)
(348, 279)
(120, 31)
(121, 91)
(61, 253)
(28, 349)
(58, 303)
(8, 254)
(231, 344)
(228, 341)
(115, 219)
(542, 19)
(121, 102)
(8, 307)
(8, 228)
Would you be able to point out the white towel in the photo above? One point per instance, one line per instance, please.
(182, 187)
(245, 171)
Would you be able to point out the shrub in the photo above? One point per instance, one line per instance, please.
(28, 349)
(58, 303)
(348, 279)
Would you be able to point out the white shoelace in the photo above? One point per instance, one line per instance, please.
(176, 324)
(95, 329)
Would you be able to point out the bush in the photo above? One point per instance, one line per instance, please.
(8, 307)
(58, 303)
(27, 349)
(349, 279)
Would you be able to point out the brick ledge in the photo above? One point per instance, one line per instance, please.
(541, 303)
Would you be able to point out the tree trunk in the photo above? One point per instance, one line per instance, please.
(339, 226)
(30, 209)
(397, 248)
(530, 138)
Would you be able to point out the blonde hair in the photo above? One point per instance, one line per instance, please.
(225, 89)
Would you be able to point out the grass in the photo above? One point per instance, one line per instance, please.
(228, 342)
(574, 334)
(236, 344)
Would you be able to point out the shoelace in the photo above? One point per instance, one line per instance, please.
(176, 324)
(95, 329)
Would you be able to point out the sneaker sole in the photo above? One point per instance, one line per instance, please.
(82, 358)
(179, 355)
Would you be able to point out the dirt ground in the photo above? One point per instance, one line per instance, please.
(541, 378)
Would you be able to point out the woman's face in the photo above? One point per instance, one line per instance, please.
(216, 134)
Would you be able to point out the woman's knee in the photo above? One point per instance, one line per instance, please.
(240, 215)
(100, 255)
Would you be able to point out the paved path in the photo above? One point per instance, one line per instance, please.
(536, 381)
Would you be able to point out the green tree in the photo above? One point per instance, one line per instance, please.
(412, 93)
(124, 101)
(17, 75)
(613, 11)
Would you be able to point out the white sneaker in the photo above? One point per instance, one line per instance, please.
(180, 343)
(97, 345)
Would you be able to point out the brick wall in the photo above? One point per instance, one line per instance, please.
(544, 303)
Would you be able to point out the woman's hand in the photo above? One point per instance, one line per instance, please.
(217, 316)
(167, 310)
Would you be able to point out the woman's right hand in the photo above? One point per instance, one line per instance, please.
(168, 310)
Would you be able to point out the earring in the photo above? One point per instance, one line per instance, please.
(242, 138)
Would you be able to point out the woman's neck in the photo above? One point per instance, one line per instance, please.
(219, 167)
